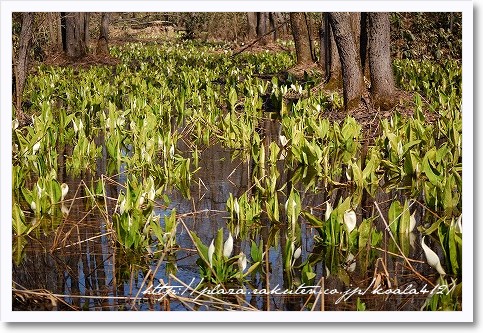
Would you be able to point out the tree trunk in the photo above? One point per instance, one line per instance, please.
(105, 26)
(103, 42)
(75, 34)
(262, 26)
(55, 31)
(356, 29)
(21, 66)
(335, 71)
(273, 25)
(352, 81)
(252, 25)
(383, 89)
(324, 50)
(363, 46)
(301, 38)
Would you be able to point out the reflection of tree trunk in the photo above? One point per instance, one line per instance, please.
(349, 57)
(383, 89)
(22, 60)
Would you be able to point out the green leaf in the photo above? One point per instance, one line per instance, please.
(202, 248)
(219, 244)
(255, 251)
(428, 169)
(18, 219)
(432, 228)
(251, 269)
(360, 306)
(409, 145)
(404, 220)
(394, 215)
(364, 233)
(453, 252)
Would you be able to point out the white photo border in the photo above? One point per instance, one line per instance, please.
(8, 7)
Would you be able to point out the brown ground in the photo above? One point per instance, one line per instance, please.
(60, 59)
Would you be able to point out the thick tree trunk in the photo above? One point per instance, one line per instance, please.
(356, 29)
(335, 71)
(273, 25)
(363, 46)
(349, 57)
(383, 89)
(103, 42)
(309, 22)
(301, 38)
(252, 25)
(21, 66)
(263, 26)
(76, 34)
(329, 57)
(104, 32)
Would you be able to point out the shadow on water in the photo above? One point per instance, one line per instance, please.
(71, 262)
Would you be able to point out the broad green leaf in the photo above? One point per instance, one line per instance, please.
(428, 169)
(404, 220)
(394, 216)
(202, 248)
(18, 219)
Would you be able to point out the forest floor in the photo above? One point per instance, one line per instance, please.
(365, 114)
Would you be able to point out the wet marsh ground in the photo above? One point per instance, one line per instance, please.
(166, 160)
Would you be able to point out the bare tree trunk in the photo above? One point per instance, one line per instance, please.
(363, 46)
(349, 57)
(383, 88)
(252, 25)
(235, 21)
(85, 28)
(263, 26)
(273, 25)
(105, 26)
(103, 42)
(329, 57)
(301, 38)
(76, 34)
(54, 31)
(356, 29)
(324, 50)
(21, 66)
(335, 70)
(309, 22)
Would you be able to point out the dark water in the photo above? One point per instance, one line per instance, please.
(75, 260)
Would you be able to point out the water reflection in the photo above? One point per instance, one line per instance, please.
(75, 255)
